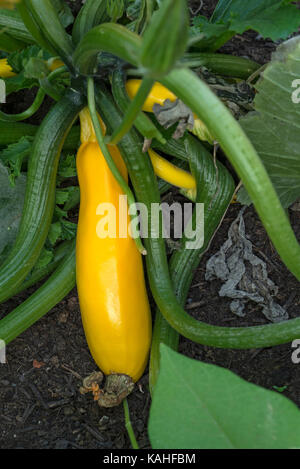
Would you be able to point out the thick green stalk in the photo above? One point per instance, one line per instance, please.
(215, 189)
(38, 101)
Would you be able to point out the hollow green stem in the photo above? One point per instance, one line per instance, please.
(28, 113)
(128, 426)
(111, 164)
(133, 110)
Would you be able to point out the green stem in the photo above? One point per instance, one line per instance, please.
(45, 88)
(128, 426)
(28, 113)
(133, 110)
(111, 164)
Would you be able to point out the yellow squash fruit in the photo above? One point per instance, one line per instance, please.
(110, 278)
(158, 95)
(172, 174)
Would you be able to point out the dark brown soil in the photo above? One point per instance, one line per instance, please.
(40, 403)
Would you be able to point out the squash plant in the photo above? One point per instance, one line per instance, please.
(88, 70)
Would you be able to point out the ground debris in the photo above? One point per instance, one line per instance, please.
(244, 275)
(117, 387)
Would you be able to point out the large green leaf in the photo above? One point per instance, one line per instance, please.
(201, 406)
(11, 205)
(274, 128)
(275, 19)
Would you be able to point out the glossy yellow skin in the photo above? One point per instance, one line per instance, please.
(110, 278)
(5, 69)
(9, 4)
(158, 95)
(170, 173)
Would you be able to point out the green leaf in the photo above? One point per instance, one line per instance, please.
(69, 230)
(274, 127)
(73, 198)
(18, 60)
(36, 68)
(55, 233)
(18, 83)
(64, 12)
(63, 195)
(201, 406)
(44, 259)
(69, 196)
(11, 205)
(275, 19)
(67, 167)
(14, 155)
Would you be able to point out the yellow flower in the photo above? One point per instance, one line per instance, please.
(5, 69)
(10, 4)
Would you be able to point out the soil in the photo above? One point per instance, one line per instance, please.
(40, 403)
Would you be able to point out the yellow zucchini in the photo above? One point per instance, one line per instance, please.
(110, 278)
